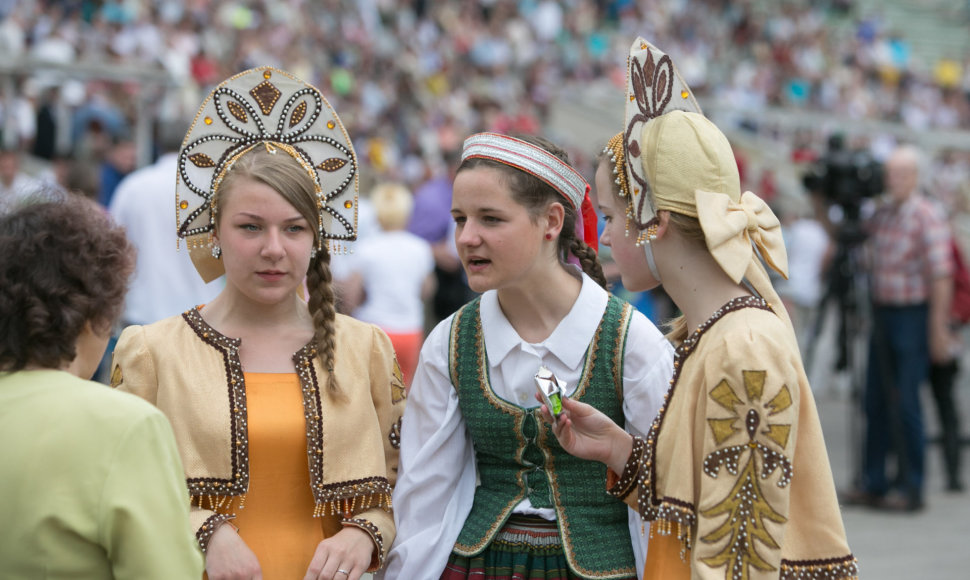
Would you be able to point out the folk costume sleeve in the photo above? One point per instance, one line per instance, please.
(434, 493)
(143, 523)
(746, 427)
(389, 397)
(133, 370)
(647, 367)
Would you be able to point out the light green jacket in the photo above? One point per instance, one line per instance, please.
(91, 484)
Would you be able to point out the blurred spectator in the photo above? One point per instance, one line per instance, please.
(809, 251)
(392, 276)
(431, 220)
(165, 281)
(911, 291)
(118, 162)
(15, 185)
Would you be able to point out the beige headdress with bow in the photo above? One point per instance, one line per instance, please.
(678, 160)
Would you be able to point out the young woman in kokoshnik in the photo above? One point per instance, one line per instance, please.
(733, 474)
(484, 486)
(287, 415)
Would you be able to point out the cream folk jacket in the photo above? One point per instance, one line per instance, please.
(735, 464)
(193, 374)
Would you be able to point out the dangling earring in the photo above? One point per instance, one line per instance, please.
(216, 251)
(648, 235)
(313, 252)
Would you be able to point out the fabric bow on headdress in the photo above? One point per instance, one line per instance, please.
(271, 108)
(732, 227)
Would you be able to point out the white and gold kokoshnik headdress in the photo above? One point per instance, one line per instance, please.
(269, 107)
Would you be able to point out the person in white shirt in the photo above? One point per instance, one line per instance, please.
(483, 485)
(165, 281)
(392, 276)
(15, 185)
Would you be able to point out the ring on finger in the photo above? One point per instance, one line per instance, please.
(342, 571)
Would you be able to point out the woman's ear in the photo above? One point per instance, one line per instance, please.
(663, 221)
(555, 215)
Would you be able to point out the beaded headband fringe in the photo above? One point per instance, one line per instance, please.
(269, 107)
(531, 159)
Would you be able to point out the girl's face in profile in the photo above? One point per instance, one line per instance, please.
(630, 259)
(265, 242)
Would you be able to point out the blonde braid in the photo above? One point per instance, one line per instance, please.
(323, 309)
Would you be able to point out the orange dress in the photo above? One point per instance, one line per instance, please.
(663, 559)
(277, 521)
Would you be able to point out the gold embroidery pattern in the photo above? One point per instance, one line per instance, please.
(650, 504)
(116, 377)
(745, 506)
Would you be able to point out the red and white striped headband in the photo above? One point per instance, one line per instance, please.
(530, 158)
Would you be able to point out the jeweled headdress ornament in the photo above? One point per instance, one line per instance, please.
(654, 87)
(264, 107)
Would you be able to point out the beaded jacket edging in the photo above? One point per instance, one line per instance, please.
(345, 498)
(208, 527)
(374, 533)
(229, 348)
(846, 568)
(348, 498)
(672, 515)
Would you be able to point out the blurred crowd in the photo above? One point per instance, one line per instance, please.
(412, 78)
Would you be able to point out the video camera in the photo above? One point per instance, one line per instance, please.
(845, 177)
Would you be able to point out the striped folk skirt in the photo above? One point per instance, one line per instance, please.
(526, 548)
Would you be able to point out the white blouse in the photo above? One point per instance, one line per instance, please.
(437, 477)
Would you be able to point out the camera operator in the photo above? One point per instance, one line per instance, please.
(843, 179)
(911, 285)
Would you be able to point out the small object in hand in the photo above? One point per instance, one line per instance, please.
(552, 390)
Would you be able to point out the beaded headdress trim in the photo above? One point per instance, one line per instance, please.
(269, 107)
(614, 148)
(530, 158)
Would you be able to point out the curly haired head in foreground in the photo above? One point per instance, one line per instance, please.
(64, 265)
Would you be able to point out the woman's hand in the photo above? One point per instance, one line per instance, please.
(229, 558)
(587, 433)
(344, 556)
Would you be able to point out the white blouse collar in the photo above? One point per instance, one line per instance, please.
(568, 342)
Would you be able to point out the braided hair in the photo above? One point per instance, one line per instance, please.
(287, 177)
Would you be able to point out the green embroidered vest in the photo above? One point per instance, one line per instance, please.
(519, 457)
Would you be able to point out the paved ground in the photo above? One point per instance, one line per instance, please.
(933, 544)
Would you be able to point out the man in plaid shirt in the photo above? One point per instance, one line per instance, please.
(912, 286)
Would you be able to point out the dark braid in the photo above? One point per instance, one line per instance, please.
(589, 261)
(322, 308)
